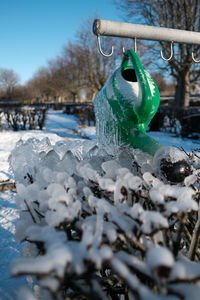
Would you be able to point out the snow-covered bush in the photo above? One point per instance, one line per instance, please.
(171, 125)
(24, 118)
(106, 225)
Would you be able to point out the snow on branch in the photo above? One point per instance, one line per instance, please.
(103, 226)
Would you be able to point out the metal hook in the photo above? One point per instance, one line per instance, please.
(100, 50)
(195, 60)
(171, 55)
(135, 46)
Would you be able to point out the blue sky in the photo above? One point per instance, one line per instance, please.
(34, 31)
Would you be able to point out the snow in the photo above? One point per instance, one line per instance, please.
(57, 255)
(54, 140)
(89, 132)
(183, 196)
(163, 137)
(57, 123)
(58, 127)
(9, 249)
(159, 256)
(25, 294)
(169, 140)
(186, 290)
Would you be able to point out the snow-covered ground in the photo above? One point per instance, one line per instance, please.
(163, 137)
(58, 126)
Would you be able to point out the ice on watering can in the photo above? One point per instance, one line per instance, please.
(125, 106)
(106, 122)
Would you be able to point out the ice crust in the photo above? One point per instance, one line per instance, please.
(110, 200)
(107, 129)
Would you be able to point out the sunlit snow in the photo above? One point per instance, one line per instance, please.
(59, 130)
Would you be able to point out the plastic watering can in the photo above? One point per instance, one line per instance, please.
(125, 106)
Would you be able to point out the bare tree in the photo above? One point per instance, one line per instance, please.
(79, 68)
(74, 69)
(39, 85)
(179, 14)
(8, 81)
(96, 67)
(57, 78)
(163, 85)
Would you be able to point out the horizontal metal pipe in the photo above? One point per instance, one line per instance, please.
(145, 32)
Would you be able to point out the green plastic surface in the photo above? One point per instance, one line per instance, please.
(128, 120)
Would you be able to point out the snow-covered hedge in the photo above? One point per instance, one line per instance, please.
(24, 118)
(105, 225)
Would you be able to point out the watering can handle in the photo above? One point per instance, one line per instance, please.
(150, 98)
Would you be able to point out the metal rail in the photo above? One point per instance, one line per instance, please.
(145, 32)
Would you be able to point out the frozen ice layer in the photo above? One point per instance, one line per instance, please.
(125, 106)
(101, 215)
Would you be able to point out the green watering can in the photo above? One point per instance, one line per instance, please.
(125, 106)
